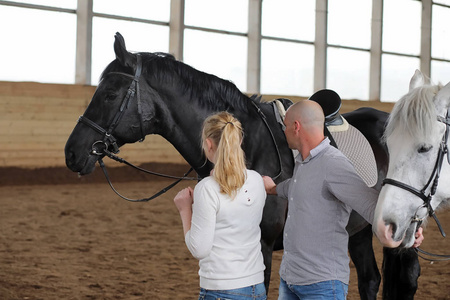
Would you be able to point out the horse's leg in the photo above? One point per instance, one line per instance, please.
(267, 251)
(272, 226)
(401, 270)
(361, 252)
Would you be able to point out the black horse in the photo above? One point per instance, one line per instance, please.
(152, 93)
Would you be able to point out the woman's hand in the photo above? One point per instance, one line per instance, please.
(183, 201)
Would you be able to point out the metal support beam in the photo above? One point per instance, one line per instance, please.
(176, 35)
(84, 42)
(425, 40)
(376, 50)
(320, 50)
(254, 47)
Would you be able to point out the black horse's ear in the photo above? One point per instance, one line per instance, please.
(125, 57)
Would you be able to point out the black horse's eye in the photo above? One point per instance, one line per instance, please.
(424, 148)
(110, 97)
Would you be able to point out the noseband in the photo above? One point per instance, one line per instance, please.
(432, 181)
(109, 141)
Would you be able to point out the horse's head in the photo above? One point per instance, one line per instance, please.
(114, 115)
(414, 137)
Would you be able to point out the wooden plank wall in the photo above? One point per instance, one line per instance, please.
(36, 119)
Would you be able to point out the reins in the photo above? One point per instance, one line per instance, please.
(101, 147)
(263, 117)
(184, 177)
(440, 257)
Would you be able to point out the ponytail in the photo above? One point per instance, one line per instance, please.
(226, 132)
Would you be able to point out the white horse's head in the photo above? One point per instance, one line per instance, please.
(413, 136)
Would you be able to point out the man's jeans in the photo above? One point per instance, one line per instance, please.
(325, 290)
(253, 292)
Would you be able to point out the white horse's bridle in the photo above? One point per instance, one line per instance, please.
(432, 181)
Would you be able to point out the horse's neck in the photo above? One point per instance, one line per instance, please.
(180, 120)
(264, 143)
(186, 139)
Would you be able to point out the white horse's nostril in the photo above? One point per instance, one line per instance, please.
(385, 233)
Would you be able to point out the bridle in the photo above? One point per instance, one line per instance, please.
(108, 146)
(109, 141)
(432, 181)
(431, 184)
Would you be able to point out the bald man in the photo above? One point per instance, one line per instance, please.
(321, 194)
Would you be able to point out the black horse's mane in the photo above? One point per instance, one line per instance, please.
(207, 90)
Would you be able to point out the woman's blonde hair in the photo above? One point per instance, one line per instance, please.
(225, 131)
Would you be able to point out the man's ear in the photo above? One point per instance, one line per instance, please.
(297, 126)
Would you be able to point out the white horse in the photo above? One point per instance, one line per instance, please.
(418, 178)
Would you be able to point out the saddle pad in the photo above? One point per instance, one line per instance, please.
(355, 146)
(280, 114)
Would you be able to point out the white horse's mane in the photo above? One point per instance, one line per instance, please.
(415, 113)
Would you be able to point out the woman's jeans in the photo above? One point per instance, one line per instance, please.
(325, 290)
(257, 292)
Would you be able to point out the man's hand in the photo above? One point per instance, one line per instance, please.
(269, 184)
(419, 237)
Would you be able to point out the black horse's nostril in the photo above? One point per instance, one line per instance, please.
(70, 157)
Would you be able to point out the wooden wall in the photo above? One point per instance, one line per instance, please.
(36, 120)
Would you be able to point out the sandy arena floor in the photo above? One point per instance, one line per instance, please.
(67, 238)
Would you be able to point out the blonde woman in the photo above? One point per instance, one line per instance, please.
(221, 216)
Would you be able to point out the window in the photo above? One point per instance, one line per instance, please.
(229, 15)
(396, 72)
(287, 68)
(348, 73)
(289, 19)
(441, 32)
(216, 56)
(402, 35)
(215, 41)
(224, 54)
(440, 72)
(69, 4)
(287, 51)
(351, 30)
(444, 2)
(139, 37)
(157, 10)
(44, 51)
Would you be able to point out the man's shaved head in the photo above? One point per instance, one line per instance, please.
(308, 113)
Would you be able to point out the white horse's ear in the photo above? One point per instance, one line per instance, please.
(417, 80)
(443, 97)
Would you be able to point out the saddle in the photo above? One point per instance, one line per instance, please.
(280, 106)
(348, 139)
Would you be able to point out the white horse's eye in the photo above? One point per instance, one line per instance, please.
(424, 148)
